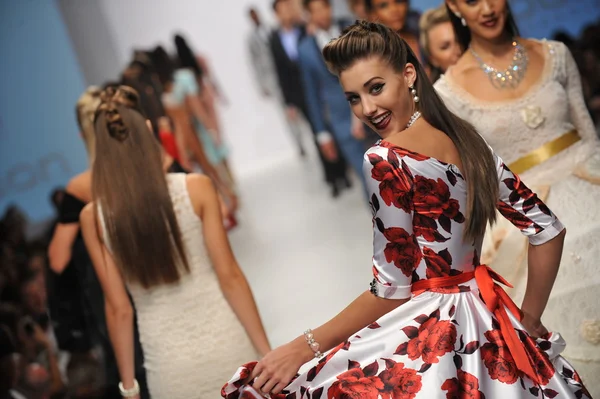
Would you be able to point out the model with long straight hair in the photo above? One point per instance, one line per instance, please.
(183, 105)
(211, 129)
(435, 322)
(525, 98)
(160, 237)
(67, 255)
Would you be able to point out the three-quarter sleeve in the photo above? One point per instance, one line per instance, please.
(396, 253)
(522, 207)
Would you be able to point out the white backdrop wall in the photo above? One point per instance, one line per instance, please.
(91, 39)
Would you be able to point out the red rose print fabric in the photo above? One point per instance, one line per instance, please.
(444, 342)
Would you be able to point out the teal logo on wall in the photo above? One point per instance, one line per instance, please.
(26, 176)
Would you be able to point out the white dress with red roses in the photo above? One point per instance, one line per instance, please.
(444, 342)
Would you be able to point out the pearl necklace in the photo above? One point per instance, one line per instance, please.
(510, 77)
(413, 119)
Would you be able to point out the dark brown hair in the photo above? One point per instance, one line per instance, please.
(369, 6)
(163, 65)
(366, 39)
(306, 3)
(130, 193)
(186, 56)
(463, 34)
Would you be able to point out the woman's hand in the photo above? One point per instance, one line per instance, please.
(40, 337)
(277, 369)
(534, 327)
(232, 200)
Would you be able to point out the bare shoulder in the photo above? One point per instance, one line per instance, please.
(533, 46)
(464, 70)
(199, 182)
(537, 50)
(86, 216)
(201, 190)
(80, 186)
(427, 140)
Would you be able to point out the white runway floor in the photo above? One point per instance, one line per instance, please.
(305, 254)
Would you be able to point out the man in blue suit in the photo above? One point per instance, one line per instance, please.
(328, 108)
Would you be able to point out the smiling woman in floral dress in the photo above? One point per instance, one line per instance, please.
(435, 323)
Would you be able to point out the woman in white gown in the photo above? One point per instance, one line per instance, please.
(156, 235)
(524, 97)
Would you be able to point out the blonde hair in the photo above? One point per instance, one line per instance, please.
(85, 109)
(430, 19)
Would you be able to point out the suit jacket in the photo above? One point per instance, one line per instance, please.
(262, 62)
(288, 71)
(326, 103)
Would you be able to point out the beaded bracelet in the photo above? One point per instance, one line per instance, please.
(314, 345)
(131, 392)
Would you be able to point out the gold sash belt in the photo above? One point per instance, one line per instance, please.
(545, 152)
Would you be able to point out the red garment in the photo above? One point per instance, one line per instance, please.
(167, 140)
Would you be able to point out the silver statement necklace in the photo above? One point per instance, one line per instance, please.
(413, 119)
(511, 76)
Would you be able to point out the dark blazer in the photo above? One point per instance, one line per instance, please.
(288, 71)
(325, 99)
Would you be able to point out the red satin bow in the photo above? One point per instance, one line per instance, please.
(497, 301)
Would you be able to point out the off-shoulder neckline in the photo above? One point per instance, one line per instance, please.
(421, 157)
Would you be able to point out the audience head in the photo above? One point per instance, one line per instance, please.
(35, 381)
(320, 13)
(8, 374)
(9, 370)
(486, 20)
(391, 13)
(86, 377)
(10, 322)
(437, 39)
(32, 290)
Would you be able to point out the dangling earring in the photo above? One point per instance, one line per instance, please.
(462, 20)
(413, 91)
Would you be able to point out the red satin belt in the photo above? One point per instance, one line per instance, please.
(496, 300)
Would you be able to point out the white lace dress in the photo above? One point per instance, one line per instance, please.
(191, 338)
(551, 108)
